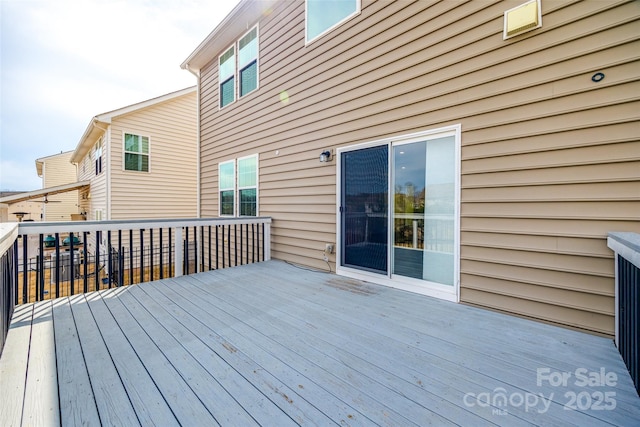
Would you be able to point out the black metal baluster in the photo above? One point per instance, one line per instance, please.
(131, 259)
(217, 249)
(57, 266)
(229, 243)
(85, 262)
(72, 270)
(25, 270)
(209, 247)
(185, 245)
(141, 255)
(170, 250)
(109, 259)
(195, 249)
(97, 261)
(40, 270)
(202, 248)
(120, 260)
(151, 254)
(161, 255)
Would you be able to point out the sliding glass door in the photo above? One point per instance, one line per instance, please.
(364, 209)
(399, 208)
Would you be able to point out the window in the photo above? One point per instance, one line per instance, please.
(324, 15)
(227, 73)
(136, 153)
(97, 155)
(227, 177)
(242, 67)
(246, 183)
(248, 62)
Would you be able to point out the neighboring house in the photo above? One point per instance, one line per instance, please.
(56, 170)
(25, 210)
(472, 157)
(141, 160)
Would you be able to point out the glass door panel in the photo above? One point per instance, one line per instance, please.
(424, 209)
(364, 209)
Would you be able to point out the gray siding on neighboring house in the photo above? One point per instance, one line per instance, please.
(550, 159)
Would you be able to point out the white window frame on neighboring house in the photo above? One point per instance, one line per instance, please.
(98, 154)
(328, 12)
(242, 181)
(140, 153)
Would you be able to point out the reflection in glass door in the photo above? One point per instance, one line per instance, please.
(424, 210)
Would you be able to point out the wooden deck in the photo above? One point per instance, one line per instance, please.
(274, 345)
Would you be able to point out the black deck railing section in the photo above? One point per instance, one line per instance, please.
(51, 260)
(7, 281)
(627, 250)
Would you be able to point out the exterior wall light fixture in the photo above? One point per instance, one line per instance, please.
(326, 156)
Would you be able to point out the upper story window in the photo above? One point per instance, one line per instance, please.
(242, 68)
(136, 153)
(321, 16)
(227, 74)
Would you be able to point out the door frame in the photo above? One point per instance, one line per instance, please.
(400, 282)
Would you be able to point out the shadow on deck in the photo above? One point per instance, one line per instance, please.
(271, 344)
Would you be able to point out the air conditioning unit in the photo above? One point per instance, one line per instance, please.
(65, 267)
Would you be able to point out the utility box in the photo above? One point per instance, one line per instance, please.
(65, 266)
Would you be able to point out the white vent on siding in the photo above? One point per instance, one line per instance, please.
(523, 18)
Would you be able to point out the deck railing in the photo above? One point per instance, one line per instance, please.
(627, 258)
(44, 260)
(8, 235)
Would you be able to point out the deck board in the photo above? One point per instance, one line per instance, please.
(271, 344)
(73, 378)
(41, 387)
(111, 398)
(13, 366)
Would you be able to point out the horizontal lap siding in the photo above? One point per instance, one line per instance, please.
(58, 170)
(550, 159)
(169, 189)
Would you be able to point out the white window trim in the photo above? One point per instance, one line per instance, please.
(394, 281)
(236, 187)
(124, 169)
(236, 72)
(248, 187)
(257, 62)
(333, 27)
(235, 79)
(220, 189)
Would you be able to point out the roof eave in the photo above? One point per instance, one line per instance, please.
(241, 18)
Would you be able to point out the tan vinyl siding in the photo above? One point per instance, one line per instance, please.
(550, 159)
(168, 190)
(58, 170)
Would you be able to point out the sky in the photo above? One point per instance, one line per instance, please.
(63, 62)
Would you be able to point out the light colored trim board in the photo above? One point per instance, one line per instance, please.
(44, 191)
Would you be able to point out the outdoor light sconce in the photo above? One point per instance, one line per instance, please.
(326, 156)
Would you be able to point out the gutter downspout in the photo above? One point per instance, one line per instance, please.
(197, 74)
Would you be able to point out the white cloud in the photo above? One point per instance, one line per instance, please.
(65, 61)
